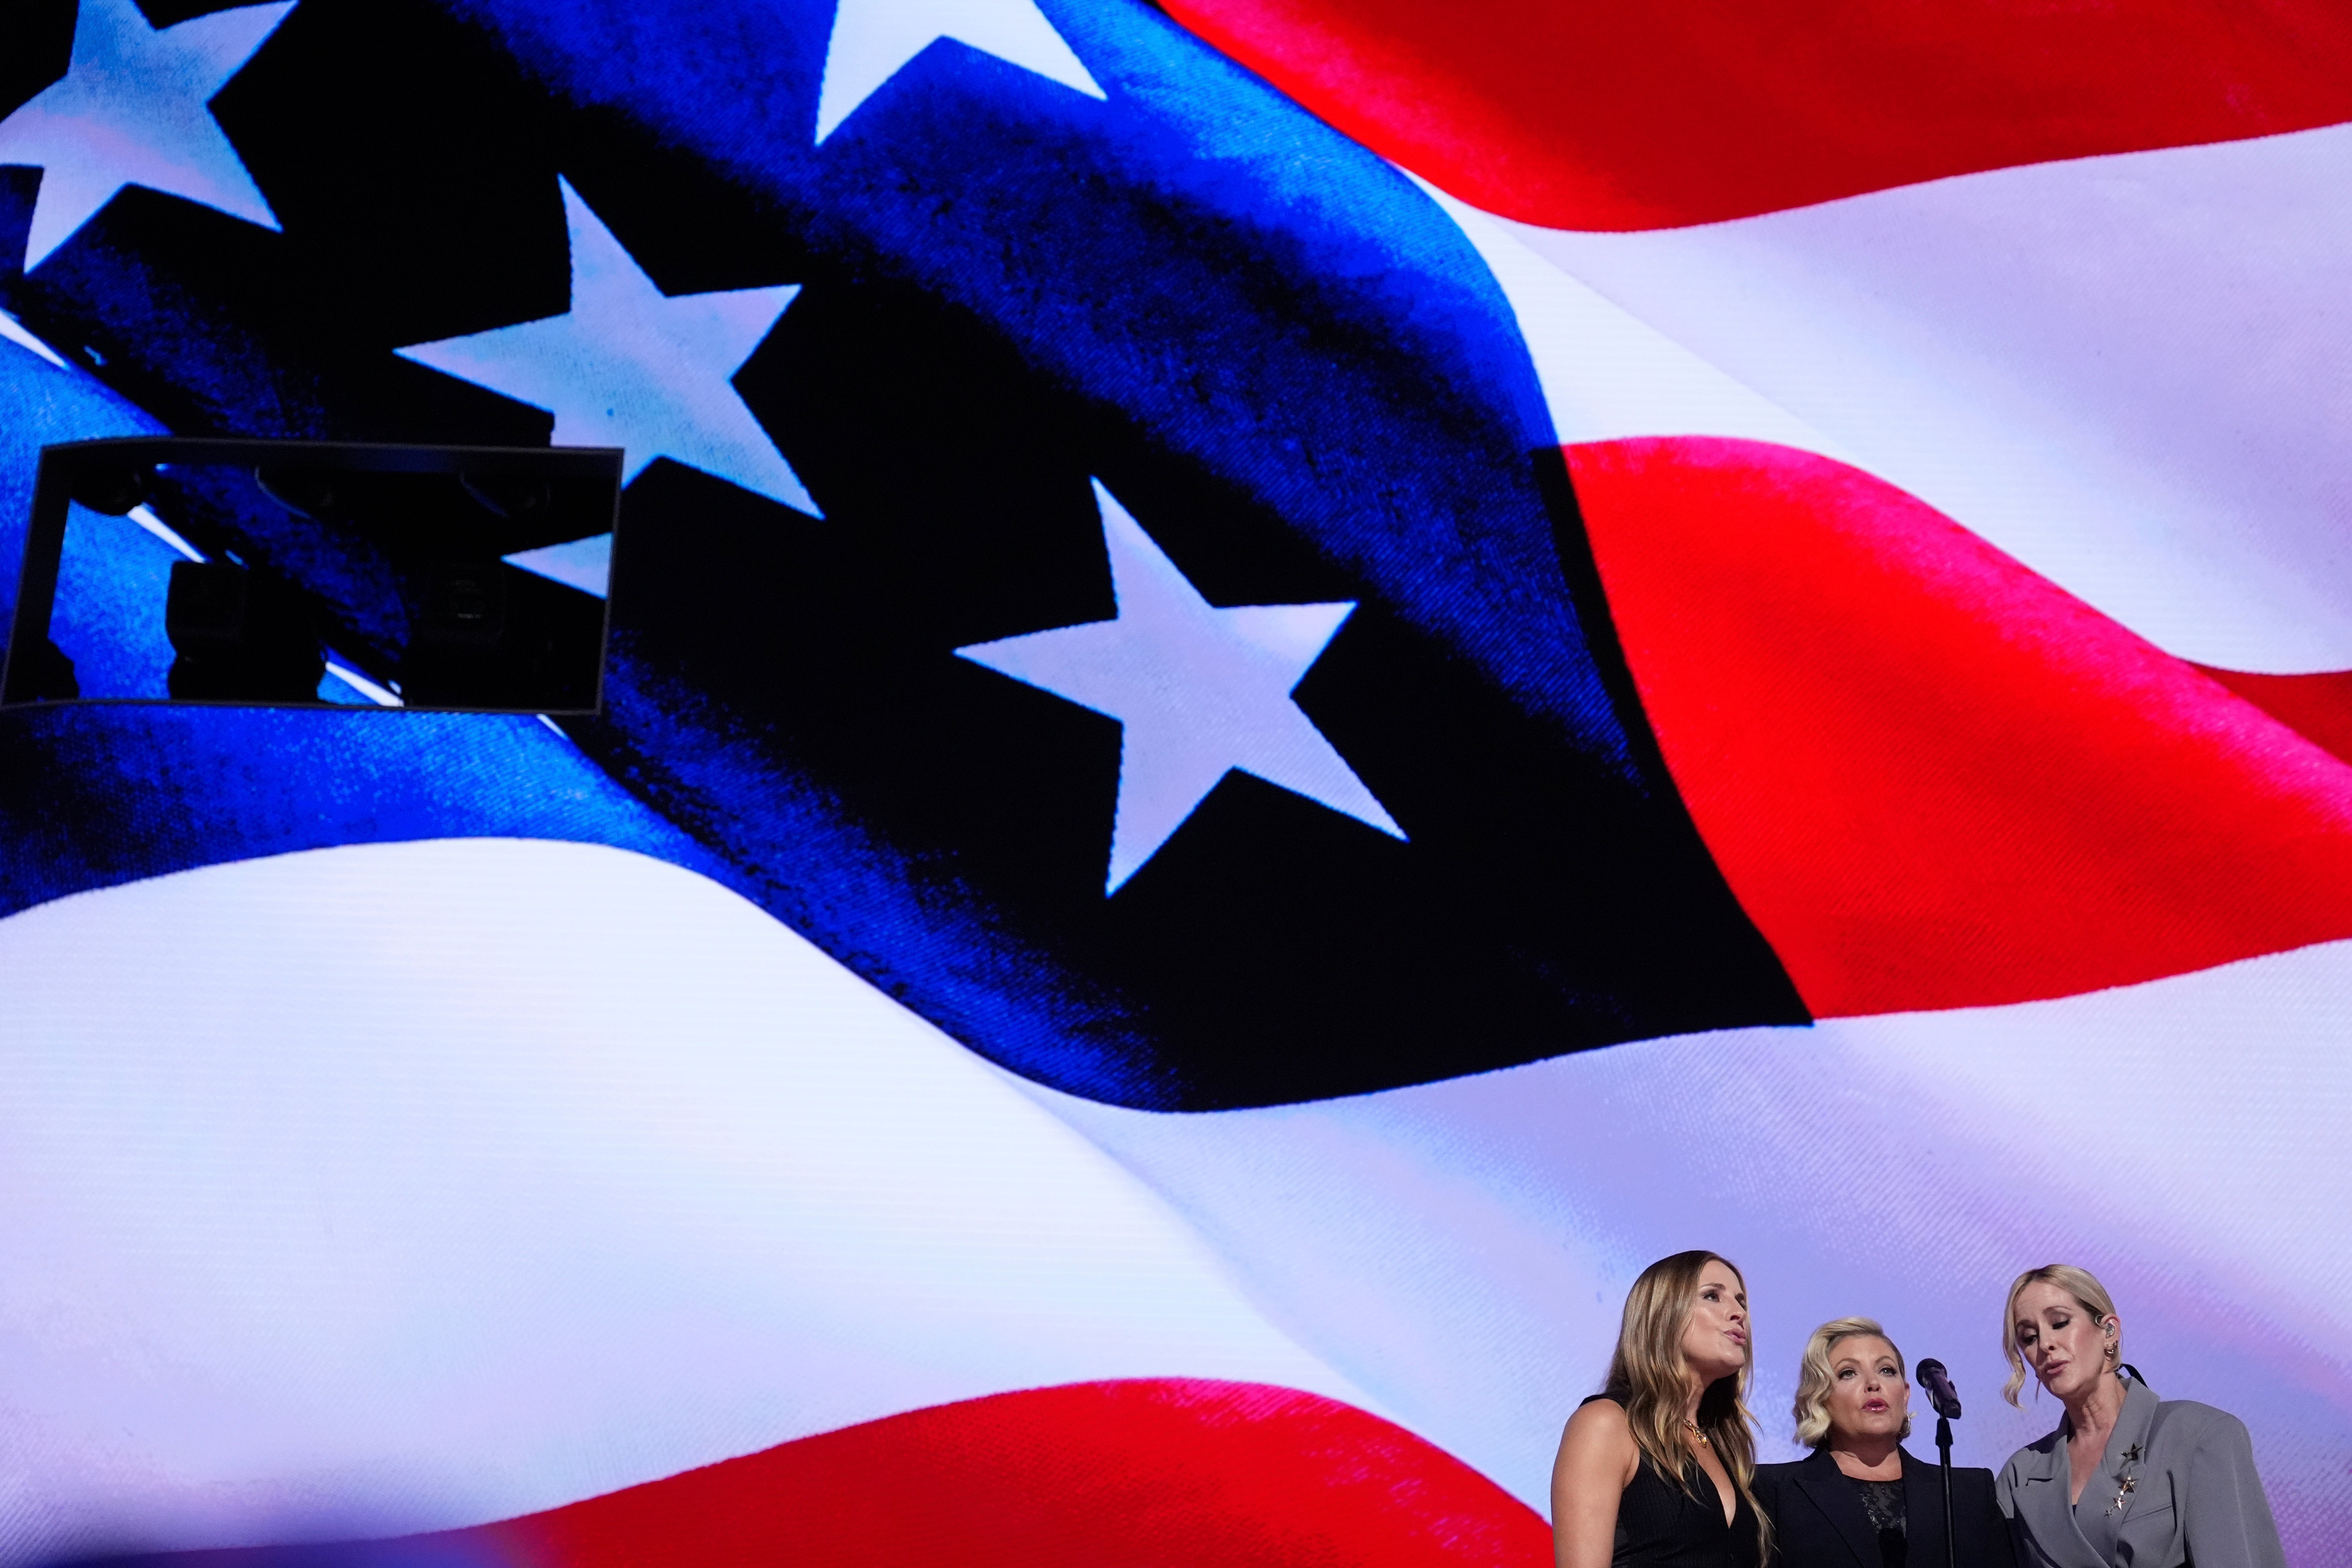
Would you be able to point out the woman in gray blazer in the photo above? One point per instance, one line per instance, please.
(2126, 1480)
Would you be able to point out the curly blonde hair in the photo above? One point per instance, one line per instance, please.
(1814, 1376)
(2089, 1295)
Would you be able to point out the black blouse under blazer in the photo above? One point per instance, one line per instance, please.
(1818, 1522)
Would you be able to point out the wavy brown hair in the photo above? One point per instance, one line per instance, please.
(1649, 1377)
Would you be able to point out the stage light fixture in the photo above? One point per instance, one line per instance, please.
(390, 559)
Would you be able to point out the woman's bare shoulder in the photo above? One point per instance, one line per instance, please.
(1599, 1443)
(1601, 1420)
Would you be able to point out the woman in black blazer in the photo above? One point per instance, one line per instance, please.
(1860, 1501)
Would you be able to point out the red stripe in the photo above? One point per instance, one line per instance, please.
(1934, 779)
(1141, 1473)
(1633, 116)
(2319, 706)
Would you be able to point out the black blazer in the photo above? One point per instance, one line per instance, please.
(1818, 1522)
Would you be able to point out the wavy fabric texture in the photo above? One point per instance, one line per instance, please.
(1640, 117)
(395, 1187)
(1472, 1241)
(1934, 779)
(2069, 277)
(1838, 514)
(645, 1182)
(2129, 372)
(1283, 359)
(1175, 1471)
(2317, 707)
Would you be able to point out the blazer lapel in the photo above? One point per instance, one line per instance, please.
(2113, 1488)
(1826, 1487)
(1923, 1510)
(2042, 1505)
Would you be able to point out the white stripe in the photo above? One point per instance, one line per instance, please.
(395, 1186)
(145, 516)
(398, 1187)
(380, 696)
(1462, 1248)
(2131, 373)
(16, 332)
(1606, 374)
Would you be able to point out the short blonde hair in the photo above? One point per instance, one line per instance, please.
(2089, 1295)
(1814, 1376)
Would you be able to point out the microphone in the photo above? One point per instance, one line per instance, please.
(1941, 1395)
(1946, 1401)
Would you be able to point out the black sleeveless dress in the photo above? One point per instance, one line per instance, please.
(1659, 1525)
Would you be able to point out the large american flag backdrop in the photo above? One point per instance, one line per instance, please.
(1291, 681)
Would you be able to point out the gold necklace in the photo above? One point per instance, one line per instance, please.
(1697, 1436)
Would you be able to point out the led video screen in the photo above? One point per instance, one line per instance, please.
(1095, 754)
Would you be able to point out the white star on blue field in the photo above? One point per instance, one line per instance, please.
(132, 109)
(873, 40)
(1197, 691)
(629, 366)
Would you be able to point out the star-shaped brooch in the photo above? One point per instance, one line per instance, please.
(2126, 1479)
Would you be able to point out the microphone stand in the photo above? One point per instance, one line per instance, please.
(1944, 1442)
(1946, 1399)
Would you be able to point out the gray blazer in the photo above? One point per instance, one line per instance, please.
(2176, 1486)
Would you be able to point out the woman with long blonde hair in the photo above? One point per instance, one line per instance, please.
(1656, 1470)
